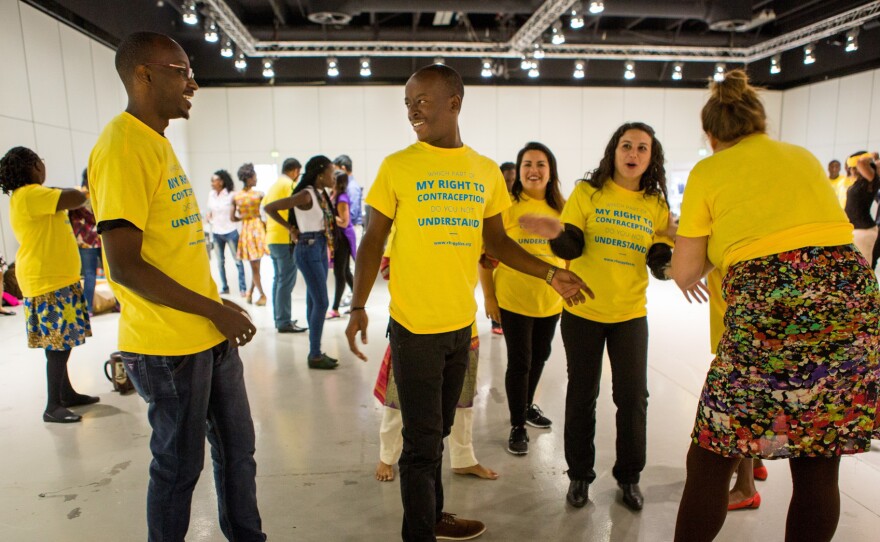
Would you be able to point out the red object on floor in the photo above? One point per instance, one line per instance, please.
(760, 473)
(11, 300)
(498, 330)
(751, 503)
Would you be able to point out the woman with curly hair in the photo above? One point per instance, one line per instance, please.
(614, 226)
(47, 268)
(252, 240)
(224, 231)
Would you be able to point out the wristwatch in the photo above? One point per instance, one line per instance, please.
(550, 274)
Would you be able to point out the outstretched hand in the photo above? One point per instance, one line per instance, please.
(544, 226)
(698, 291)
(570, 287)
(357, 322)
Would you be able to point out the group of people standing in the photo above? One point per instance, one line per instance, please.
(326, 205)
(795, 306)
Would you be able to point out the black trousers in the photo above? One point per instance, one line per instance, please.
(429, 370)
(341, 269)
(585, 342)
(528, 348)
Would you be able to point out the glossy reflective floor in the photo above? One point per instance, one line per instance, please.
(317, 446)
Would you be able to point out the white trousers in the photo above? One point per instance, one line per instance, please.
(461, 444)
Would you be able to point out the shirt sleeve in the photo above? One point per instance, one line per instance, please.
(123, 185)
(499, 199)
(381, 196)
(696, 220)
(574, 212)
(661, 224)
(41, 200)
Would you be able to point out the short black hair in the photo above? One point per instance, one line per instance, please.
(343, 161)
(16, 168)
(245, 172)
(835, 161)
(508, 166)
(135, 50)
(224, 176)
(450, 77)
(290, 164)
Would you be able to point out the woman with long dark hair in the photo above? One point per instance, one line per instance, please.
(313, 212)
(252, 240)
(48, 272)
(224, 230)
(527, 307)
(345, 244)
(860, 197)
(614, 226)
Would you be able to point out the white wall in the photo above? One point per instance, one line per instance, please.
(834, 118)
(231, 126)
(59, 89)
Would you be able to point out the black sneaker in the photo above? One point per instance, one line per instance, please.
(518, 443)
(452, 528)
(536, 418)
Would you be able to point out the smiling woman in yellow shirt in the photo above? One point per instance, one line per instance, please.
(527, 307)
(47, 267)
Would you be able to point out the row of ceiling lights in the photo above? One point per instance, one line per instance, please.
(529, 62)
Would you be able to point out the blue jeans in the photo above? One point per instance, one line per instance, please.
(191, 397)
(220, 242)
(89, 269)
(283, 283)
(429, 370)
(312, 261)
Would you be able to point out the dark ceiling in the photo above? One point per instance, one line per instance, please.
(651, 23)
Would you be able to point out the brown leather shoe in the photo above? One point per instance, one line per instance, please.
(452, 528)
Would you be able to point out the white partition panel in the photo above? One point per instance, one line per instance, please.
(79, 80)
(15, 100)
(795, 108)
(42, 43)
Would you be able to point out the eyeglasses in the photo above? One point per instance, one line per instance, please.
(186, 73)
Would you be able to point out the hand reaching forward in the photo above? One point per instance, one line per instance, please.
(234, 323)
(698, 291)
(545, 226)
(569, 286)
(357, 321)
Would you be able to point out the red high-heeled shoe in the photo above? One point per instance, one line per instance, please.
(751, 503)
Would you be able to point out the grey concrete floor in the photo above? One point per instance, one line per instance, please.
(317, 446)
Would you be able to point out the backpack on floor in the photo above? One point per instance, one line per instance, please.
(114, 370)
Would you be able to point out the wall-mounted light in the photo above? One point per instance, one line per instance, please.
(240, 62)
(852, 40)
(558, 37)
(488, 68)
(677, 71)
(332, 67)
(211, 35)
(810, 53)
(268, 68)
(629, 70)
(775, 64)
(227, 51)
(580, 69)
(366, 70)
(720, 68)
(597, 7)
(577, 17)
(188, 12)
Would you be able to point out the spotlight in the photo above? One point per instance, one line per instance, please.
(597, 7)
(332, 67)
(189, 13)
(775, 64)
(226, 51)
(577, 17)
(629, 72)
(366, 71)
(579, 69)
(539, 51)
(718, 76)
(558, 37)
(240, 62)
(533, 72)
(488, 68)
(677, 71)
(526, 62)
(439, 60)
(852, 40)
(810, 53)
(211, 35)
(268, 68)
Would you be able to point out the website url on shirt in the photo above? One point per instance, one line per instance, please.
(452, 243)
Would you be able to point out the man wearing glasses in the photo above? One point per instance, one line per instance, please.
(179, 339)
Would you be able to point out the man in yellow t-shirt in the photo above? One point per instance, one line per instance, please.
(838, 182)
(179, 340)
(445, 201)
(281, 246)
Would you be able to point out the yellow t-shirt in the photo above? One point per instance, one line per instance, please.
(438, 199)
(134, 175)
(275, 232)
(761, 197)
(518, 292)
(619, 227)
(47, 257)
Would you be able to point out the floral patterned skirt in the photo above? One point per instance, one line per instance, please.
(57, 320)
(252, 240)
(797, 369)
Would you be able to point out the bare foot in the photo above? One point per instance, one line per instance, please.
(737, 495)
(384, 472)
(479, 471)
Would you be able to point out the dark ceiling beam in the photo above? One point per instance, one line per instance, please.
(278, 10)
(635, 22)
